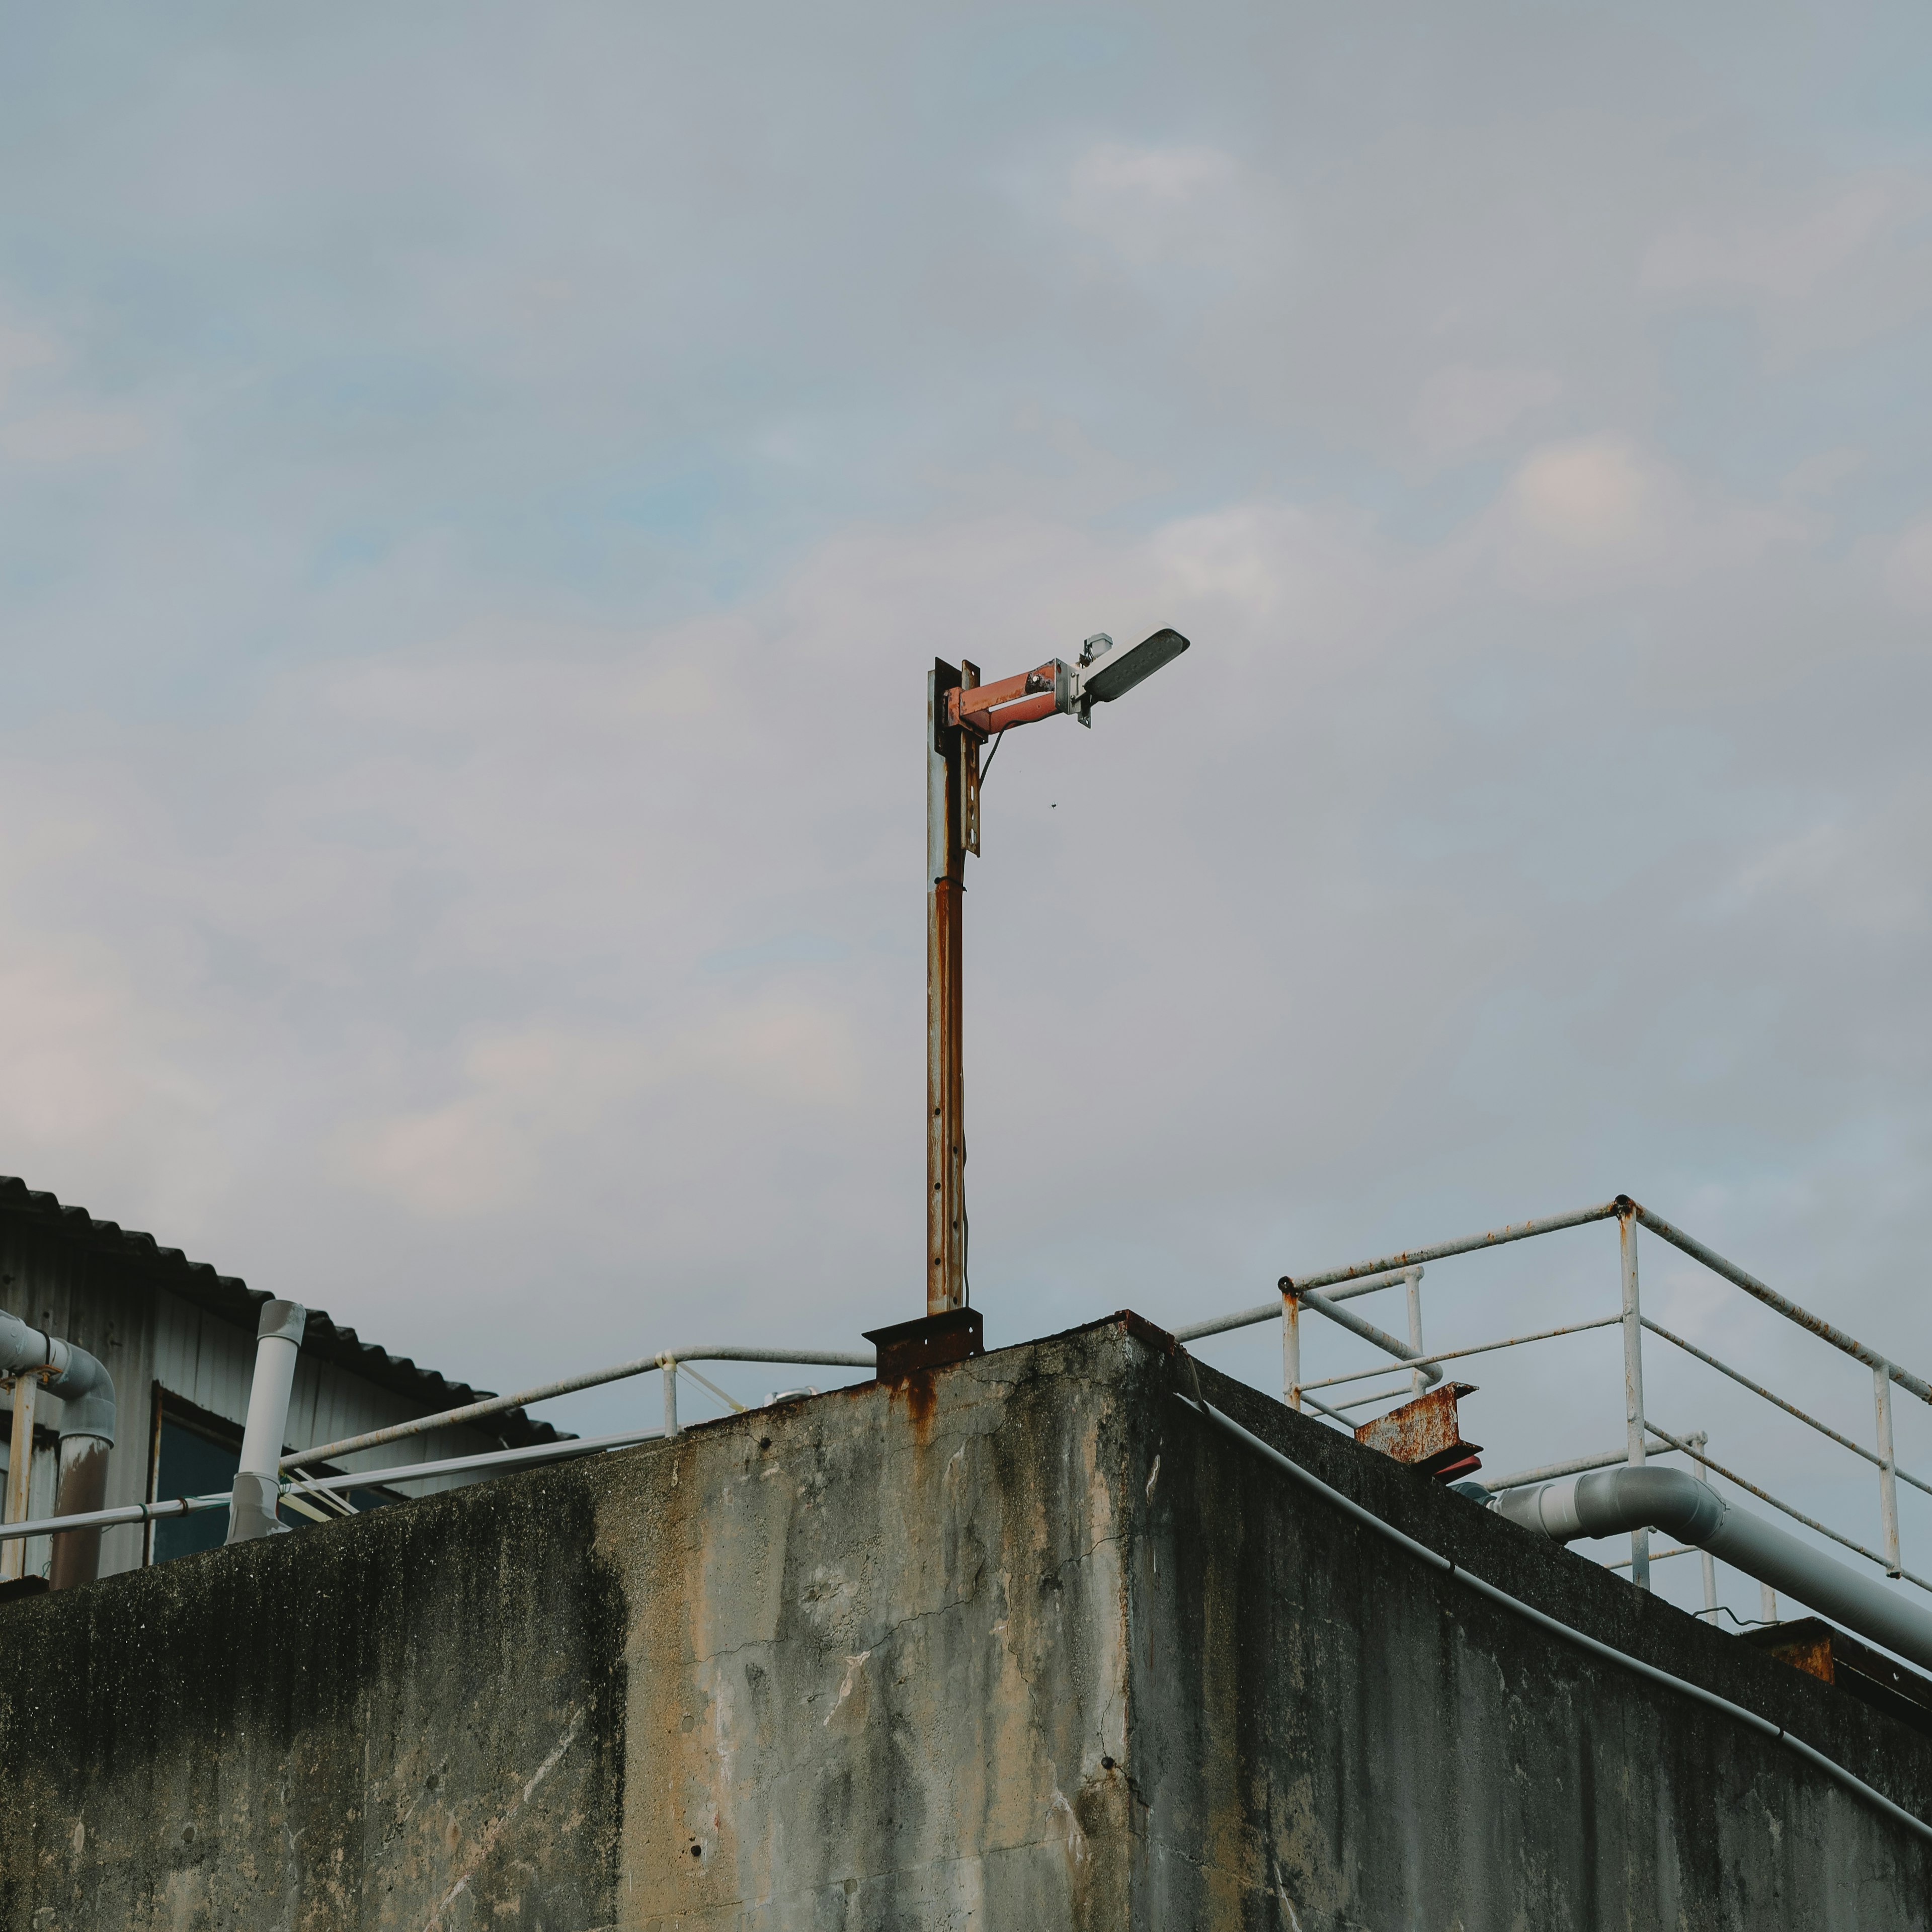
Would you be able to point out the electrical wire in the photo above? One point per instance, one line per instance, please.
(1697, 1692)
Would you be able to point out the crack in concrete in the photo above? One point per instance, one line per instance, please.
(487, 1842)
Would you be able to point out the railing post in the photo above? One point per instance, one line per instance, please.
(1767, 1604)
(20, 1472)
(1290, 1350)
(1412, 1280)
(1633, 1428)
(670, 1366)
(1700, 1442)
(1888, 1475)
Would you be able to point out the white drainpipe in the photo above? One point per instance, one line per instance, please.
(251, 1507)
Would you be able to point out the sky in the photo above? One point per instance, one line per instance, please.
(481, 490)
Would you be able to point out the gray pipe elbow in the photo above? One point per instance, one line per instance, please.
(87, 1391)
(22, 1346)
(1608, 1501)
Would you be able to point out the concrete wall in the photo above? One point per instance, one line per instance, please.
(1019, 1645)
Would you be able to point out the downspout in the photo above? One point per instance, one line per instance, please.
(86, 1391)
(1610, 1501)
(258, 1482)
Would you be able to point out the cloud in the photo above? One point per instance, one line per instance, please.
(1597, 513)
(22, 349)
(1788, 256)
(1461, 409)
(470, 593)
(1151, 205)
(71, 435)
(1908, 570)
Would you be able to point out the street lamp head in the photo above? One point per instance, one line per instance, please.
(1135, 665)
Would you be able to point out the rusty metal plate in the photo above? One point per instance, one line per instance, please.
(1425, 1433)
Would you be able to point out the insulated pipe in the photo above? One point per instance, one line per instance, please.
(1614, 1500)
(258, 1486)
(86, 1391)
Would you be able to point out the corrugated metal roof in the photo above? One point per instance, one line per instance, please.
(232, 1299)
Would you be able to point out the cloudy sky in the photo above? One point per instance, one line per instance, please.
(480, 490)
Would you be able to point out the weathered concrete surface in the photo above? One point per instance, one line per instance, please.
(1018, 1645)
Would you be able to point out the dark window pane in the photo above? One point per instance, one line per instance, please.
(191, 1464)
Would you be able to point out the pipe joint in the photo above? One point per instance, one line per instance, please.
(1605, 1502)
(1609, 1502)
(282, 1322)
(86, 1390)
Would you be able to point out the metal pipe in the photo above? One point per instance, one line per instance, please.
(1888, 1472)
(1275, 1311)
(670, 1396)
(1290, 1351)
(87, 1426)
(1412, 1278)
(1368, 1332)
(12, 1534)
(1613, 1500)
(495, 1405)
(1789, 1407)
(1784, 1508)
(1790, 1310)
(356, 1479)
(949, 753)
(1659, 1556)
(1700, 1442)
(1564, 1632)
(19, 1470)
(257, 1489)
(81, 1488)
(1219, 1325)
(1576, 1466)
(1475, 1349)
(1633, 1432)
(1521, 1231)
(491, 1459)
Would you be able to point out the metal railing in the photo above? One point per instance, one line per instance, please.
(302, 1491)
(1415, 1365)
(1320, 1294)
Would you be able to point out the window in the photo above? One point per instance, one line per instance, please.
(195, 1457)
(196, 1454)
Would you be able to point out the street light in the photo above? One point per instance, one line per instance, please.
(962, 714)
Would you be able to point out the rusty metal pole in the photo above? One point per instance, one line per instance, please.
(1290, 1350)
(1412, 1280)
(20, 1472)
(1633, 1425)
(952, 830)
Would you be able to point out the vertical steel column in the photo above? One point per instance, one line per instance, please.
(1700, 1442)
(670, 1396)
(1291, 1351)
(1412, 1278)
(1633, 1430)
(1888, 1475)
(948, 753)
(19, 1473)
(1767, 1604)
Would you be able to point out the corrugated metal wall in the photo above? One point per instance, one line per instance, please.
(148, 1336)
